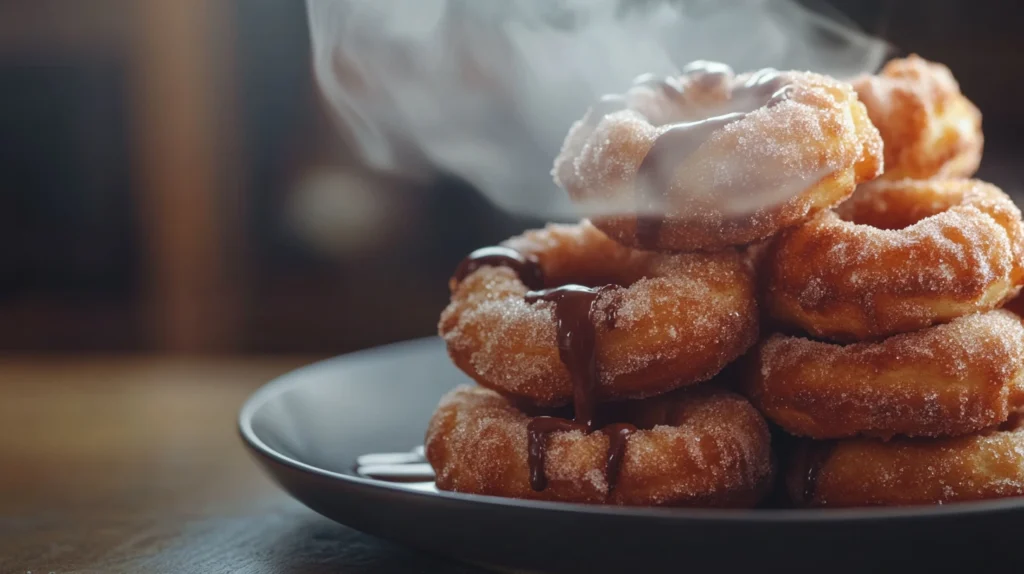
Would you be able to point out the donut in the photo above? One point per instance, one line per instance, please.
(897, 257)
(602, 319)
(908, 471)
(945, 380)
(929, 128)
(709, 159)
(701, 447)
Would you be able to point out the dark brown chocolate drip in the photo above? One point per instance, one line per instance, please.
(576, 343)
(576, 348)
(537, 432)
(618, 434)
(525, 266)
(654, 176)
(815, 455)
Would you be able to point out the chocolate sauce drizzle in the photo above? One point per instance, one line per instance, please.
(537, 432)
(617, 435)
(576, 339)
(525, 266)
(577, 350)
(766, 88)
(576, 343)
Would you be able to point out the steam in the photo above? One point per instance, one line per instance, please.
(487, 90)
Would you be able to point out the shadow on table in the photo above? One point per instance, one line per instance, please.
(286, 538)
(317, 545)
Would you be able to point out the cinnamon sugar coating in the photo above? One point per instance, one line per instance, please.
(897, 257)
(929, 128)
(677, 319)
(695, 448)
(902, 472)
(774, 168)
(946, 380)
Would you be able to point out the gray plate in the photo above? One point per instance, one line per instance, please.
(307, 428)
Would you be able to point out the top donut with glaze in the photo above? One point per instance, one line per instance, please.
(710, 159)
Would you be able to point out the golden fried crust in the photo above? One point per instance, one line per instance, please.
(701, 448)
(929, 128)
(787, 162)
(864, 472)
(897, 257)
(679, 321)
(946, 380)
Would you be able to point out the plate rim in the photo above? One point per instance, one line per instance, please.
(295, 378)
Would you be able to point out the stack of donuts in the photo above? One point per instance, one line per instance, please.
(724, 276)
(892, 355)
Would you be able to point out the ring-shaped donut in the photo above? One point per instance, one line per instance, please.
(669, 320)
(929, 128)
(946, 380)
(897, 257)
(906, 471)
(699, 447)
(709, 159)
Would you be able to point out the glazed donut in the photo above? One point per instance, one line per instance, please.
(702, 447)
(660, 321)
(901, 472)
(946, 380)
(708, 160)
(898, 256)
(929, 128)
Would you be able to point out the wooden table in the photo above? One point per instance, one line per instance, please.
(135, 465)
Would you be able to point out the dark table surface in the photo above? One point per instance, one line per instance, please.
(135, 465)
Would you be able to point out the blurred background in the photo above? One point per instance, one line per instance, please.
(172, 181)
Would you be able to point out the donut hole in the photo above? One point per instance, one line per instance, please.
(892, 215)
(887, 220)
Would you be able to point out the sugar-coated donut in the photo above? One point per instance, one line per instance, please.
(929, 128)
(665, 322)
(699, 447)
(945, 380)
(906, 471)
(709, 159)
(897, 257)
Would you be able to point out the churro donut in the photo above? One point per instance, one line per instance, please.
(929, 128)
(898, 256)
(906, 471)
(709, 159)
(701, 447)
(660, 321)
(946, 380)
